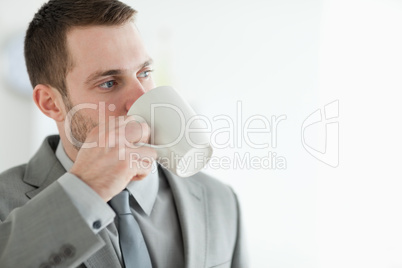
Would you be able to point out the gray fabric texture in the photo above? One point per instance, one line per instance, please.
(39, 223)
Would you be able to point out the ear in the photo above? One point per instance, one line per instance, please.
(50, 102)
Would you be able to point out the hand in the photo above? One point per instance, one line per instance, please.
(110, 166)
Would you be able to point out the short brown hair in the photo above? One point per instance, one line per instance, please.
(46, 53)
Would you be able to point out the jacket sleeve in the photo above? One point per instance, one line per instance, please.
(240, 254)
(47, 230)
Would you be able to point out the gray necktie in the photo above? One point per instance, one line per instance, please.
(132, 244)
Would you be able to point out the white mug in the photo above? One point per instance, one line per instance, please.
(180, 148)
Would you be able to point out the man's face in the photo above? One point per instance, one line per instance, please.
(110, 66)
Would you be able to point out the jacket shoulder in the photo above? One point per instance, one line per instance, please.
(12, 176)
(13, 189)
(211, 184)
(14, 171)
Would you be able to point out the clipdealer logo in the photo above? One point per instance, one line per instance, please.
(319, 136)
(326, 123)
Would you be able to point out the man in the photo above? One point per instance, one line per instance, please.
(88, 65)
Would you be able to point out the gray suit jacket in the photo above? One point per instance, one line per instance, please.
(39, 223)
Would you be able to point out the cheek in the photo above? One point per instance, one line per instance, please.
(115, 108)
(83, 100)
(100, 112)
(92, 115)
(148, 84)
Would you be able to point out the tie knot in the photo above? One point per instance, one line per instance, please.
(120, 203)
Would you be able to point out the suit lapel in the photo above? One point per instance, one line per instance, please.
(43, 168)
(191, 209)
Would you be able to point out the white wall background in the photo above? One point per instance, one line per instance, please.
(277, 57)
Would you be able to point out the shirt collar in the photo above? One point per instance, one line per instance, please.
(63, 158)
(144, 191)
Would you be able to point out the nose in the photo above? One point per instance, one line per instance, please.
(134, 91)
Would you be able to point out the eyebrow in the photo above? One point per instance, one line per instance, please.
(99, 74)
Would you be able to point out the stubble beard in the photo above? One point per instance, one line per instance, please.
(80, 126)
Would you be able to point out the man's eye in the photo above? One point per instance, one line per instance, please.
(145, 74)
(108, 84)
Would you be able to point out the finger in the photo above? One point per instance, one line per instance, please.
(144, 154)
(143, 172)
(141, 164)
